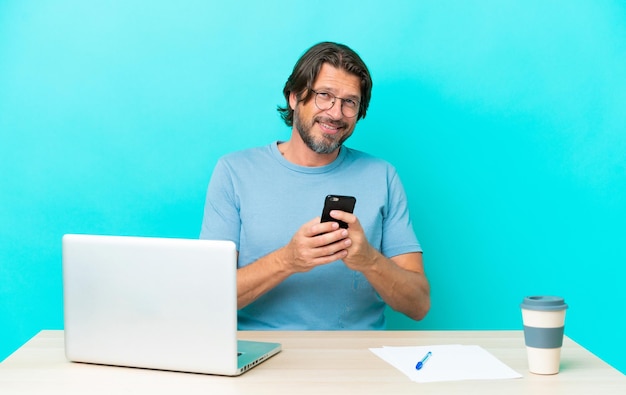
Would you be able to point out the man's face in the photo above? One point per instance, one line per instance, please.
(323, 131)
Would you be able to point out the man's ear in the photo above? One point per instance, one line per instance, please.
(293, 100)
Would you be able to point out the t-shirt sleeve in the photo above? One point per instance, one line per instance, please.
(398, 234)
(221, 208)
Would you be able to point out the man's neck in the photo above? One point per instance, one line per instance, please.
(298, 153)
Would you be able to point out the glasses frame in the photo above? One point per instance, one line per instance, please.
(332, 103)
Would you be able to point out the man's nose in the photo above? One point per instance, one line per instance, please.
(335, 111)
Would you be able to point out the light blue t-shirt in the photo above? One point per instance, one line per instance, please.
(258, 199)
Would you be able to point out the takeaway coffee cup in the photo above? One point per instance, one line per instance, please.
(544, 323)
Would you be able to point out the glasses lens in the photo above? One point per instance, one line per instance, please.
(349, 109)
(324, 101)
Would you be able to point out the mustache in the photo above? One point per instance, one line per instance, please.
(332, 122)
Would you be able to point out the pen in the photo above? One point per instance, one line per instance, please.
(421, 363)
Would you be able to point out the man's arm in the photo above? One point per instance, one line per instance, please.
(400, 280)
(313, 244)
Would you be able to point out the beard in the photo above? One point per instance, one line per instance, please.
(326, 144)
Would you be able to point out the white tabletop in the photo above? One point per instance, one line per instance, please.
(311, 363)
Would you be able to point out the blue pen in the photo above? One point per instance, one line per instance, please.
(421, 363)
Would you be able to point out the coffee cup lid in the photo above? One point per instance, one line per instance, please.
(544, 303)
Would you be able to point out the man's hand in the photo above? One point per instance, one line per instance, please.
(360, 253)
(315, 244)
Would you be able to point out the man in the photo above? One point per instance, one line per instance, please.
(295, 272)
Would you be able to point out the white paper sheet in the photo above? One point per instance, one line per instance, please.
(447, 363)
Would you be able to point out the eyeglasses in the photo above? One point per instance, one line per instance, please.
(325, 101)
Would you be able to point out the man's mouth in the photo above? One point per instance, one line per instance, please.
(329, 126)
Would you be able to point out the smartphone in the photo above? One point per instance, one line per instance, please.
(337, 202)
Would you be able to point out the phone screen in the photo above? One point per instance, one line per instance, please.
(337, 202)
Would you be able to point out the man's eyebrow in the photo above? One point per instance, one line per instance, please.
(331, 90)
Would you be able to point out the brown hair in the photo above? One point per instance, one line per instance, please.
(307, 68)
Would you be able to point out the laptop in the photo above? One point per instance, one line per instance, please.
(156, 303)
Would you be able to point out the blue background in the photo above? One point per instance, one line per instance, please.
(505, 119)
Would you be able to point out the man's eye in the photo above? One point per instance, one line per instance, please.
(349, 103)
(324, 95)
